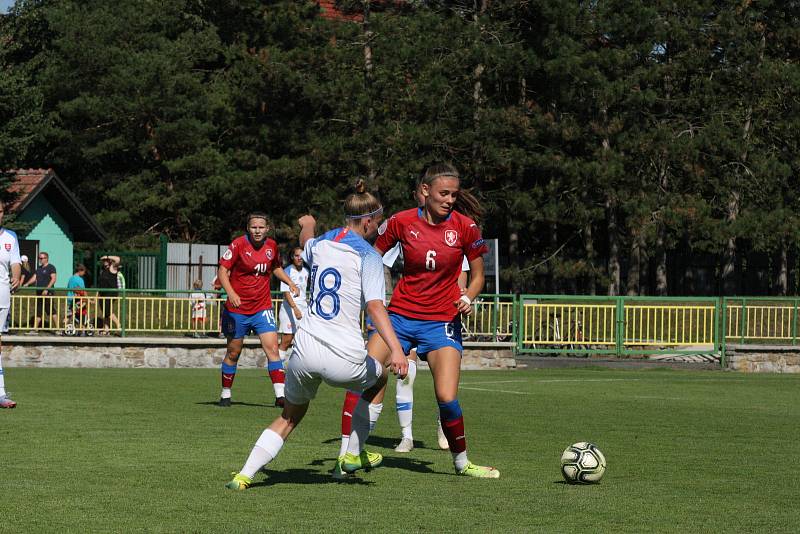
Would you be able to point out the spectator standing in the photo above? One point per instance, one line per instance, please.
(9, 281)
(108, 279)
(44, 278)
(25, 270)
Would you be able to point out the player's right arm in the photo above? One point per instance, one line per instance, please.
(398, 362)
(308, 226)
(223, 275)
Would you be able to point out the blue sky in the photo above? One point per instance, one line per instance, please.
(5, 4)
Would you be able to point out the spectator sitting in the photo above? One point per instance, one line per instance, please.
(76, 298)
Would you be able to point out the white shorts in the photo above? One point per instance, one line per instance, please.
(287, 324)
(314, 361)
(3, 319)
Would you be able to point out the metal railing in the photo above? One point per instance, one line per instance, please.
(546, 324)
(618, 325)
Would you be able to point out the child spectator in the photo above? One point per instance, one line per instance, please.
(198, 308)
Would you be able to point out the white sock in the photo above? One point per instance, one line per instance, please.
(267, 447)
(279, 388)
(460, 460)
(361, 423)
(226, 393)
(344, 445)
(374, 413)
(283, 354)
(2, 378)
(405, 400)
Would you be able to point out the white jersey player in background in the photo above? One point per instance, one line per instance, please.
(293, 308)
(10, 269)
(346, 276)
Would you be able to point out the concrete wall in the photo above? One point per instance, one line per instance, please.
(763, 358)
(58, 351)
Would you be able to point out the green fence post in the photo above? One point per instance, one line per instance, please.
(720, 330)
(620, 326)
(162, 262)
(518, 323)
(124, 312)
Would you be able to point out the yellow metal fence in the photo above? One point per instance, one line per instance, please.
(616, 325)
(130, 313)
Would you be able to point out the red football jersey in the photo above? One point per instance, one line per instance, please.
(432, 257)
(250, 273)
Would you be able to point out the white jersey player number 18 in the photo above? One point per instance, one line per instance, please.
(325, 290)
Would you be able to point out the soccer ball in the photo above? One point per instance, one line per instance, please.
(583, 463)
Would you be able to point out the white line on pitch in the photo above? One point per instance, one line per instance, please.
(496, 382)
(588, 380)
(497, 390)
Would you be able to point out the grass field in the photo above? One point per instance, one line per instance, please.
(147, 450)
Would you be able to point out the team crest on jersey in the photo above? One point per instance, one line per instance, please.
(451, 237)
(8, 247)
(228, 255)
(382, 227)
(269, 253)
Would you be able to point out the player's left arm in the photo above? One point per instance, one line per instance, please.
(474, 249)
(464, 304)
(281, 275)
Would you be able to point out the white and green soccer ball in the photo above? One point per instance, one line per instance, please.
(583, 463)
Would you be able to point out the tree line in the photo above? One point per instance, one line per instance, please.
(618, 147)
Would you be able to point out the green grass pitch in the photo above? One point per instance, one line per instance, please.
(126, 450)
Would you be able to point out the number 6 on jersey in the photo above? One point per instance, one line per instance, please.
(430, 260)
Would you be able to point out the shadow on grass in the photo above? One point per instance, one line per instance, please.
(235, 403)
(305, 476)
(392, 462)
(386, 443)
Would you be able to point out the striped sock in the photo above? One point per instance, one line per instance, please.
(405, 400)
(228, 374)
(277, 375)
(453, 427)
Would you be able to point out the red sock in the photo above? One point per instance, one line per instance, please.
(350, 401)
(276, 372)
(454, 431)
(228, 374)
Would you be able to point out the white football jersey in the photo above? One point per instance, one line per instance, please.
(9, 254)
(300, 279)
(346, 273)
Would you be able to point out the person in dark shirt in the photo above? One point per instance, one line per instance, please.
(45, 279)
(108, 300)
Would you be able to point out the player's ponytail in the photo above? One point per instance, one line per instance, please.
(466, 202)
(469, 205)
(361, 203)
